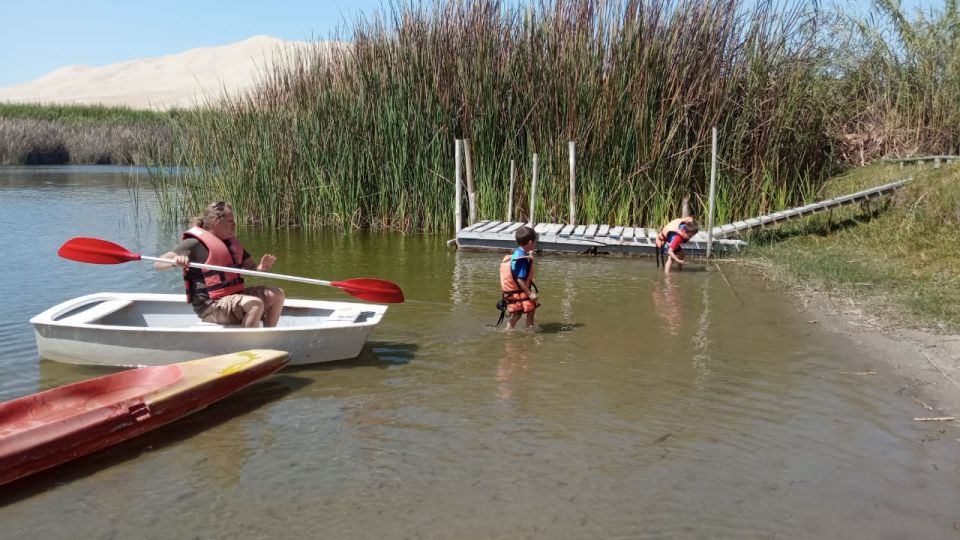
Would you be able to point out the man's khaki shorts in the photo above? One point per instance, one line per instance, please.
(227, 310)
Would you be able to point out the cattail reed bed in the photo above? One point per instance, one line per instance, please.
(53, 135)
(361, 135)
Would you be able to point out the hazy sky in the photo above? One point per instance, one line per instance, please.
(39, 36)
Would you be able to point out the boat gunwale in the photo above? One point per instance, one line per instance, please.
(46, 317)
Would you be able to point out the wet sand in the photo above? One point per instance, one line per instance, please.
(927, 361)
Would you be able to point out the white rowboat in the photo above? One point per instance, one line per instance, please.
(142, 329)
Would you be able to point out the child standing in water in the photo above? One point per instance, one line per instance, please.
(670, 239)
(516, 279)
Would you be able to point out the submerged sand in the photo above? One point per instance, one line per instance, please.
(926, 361)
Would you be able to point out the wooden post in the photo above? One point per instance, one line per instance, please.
(471, 190)
(573, 182)
(458, 186)
(533, 193)
(936, 163)
(685, 206)
(513, 180)
(713, 191)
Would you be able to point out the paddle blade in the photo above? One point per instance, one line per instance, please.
(96, 251)
(380, 291)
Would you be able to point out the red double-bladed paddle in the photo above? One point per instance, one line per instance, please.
(96, 251)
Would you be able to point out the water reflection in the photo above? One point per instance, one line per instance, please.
(701, 339)
(513, 362)
(666, 303)
(380, 354)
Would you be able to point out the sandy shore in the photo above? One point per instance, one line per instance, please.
(926, 363)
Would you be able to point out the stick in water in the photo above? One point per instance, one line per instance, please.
(729, 285)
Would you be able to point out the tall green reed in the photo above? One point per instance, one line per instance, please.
(360, 134)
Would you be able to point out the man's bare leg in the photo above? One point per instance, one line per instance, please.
(273, 306)
(252, 311)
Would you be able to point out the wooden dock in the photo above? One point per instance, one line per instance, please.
(769, 220)
(627, 240)
(920, 160)
(594, 238)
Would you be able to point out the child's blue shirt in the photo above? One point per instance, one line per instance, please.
(520, 263)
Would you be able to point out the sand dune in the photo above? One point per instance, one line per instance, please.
(183, 79)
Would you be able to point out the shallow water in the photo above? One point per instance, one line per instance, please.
(646, 406)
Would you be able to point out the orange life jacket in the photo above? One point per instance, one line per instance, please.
(217, 284)
(512, 293)
(672, 227)
(508, 281)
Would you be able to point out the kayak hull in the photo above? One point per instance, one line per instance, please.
(52, 427)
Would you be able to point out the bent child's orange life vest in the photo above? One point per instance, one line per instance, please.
(672, 227)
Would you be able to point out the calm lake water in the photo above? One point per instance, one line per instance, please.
(645, 407)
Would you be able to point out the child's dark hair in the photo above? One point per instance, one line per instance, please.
(525, 234)
(692, 227)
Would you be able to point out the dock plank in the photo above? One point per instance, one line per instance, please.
(498, 235)
(474, 226)
(514, 226)
(643, 233)
(502, 227)
(487, 227)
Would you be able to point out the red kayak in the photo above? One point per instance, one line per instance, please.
(51, 427)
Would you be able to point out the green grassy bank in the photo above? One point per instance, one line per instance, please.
(55, 135)
(900, 255)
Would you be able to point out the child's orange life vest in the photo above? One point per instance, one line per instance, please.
(510, 289)
(672, 227)
(508, 281)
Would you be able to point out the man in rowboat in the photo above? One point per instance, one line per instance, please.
(220, 297)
